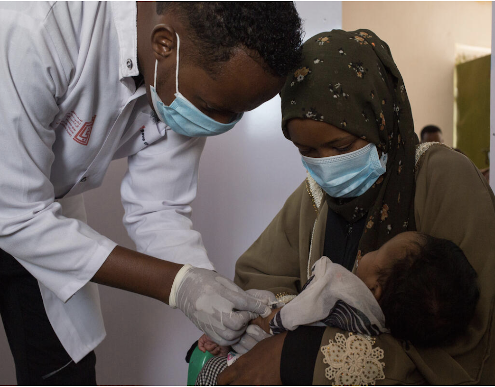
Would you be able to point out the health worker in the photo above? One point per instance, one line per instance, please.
(85, 83)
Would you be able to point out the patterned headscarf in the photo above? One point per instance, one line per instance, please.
(350, 80)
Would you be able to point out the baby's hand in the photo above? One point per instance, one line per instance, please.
(207, 344)
(264, 322)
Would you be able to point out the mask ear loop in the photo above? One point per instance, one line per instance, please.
(176, 70)
(156, 64)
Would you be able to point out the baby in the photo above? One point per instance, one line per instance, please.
(420, 288)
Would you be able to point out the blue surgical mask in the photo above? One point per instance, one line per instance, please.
(182, 116)
(349, 175)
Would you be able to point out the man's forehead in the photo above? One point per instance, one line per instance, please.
(242, 84)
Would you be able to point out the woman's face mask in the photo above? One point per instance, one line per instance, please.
(344, 165)
(182, 116)
(348, 175)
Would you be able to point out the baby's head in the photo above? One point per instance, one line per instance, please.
(425, 286)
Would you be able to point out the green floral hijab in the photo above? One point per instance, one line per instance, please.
(350, 80)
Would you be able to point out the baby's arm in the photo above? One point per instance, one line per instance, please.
(207, 344)
(264, 322)
(332, 296)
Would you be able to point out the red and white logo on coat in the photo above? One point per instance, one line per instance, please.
(79, 130)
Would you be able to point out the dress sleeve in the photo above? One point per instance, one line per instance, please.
(157, 191)
(272, 262)
(62, 253)
(453, 201)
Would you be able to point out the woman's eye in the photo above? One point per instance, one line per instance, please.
(344, 149)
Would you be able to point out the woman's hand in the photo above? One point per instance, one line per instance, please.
(260, 366)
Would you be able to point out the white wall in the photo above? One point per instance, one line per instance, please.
(245, 177)
(422, 36)
(247, 174)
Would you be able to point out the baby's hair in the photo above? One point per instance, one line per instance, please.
(430, 295)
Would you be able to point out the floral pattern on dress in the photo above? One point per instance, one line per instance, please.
(384, 212)
(353, 361)
(370, 223)
(313, 114)
(378, 182)
(359, 39)
(337, 91)
(358, 68)
(382, 121)
(322, 40)
(365, 35)
(301, 73)
(317, 61)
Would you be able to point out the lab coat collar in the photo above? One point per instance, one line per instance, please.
(125, 19)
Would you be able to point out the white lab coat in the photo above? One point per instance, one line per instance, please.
(68, 107)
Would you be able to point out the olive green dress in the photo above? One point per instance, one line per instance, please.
(451, 200)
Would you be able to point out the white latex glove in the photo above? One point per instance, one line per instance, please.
(216, 305)
(253, 335)
(266, 297)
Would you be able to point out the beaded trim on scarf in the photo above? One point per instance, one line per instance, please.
(421, 150)
(285, 297)
(308, 273)
(315, 191)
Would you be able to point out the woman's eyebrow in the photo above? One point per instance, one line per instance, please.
(329, 143)
(339, 140)
(301, 145)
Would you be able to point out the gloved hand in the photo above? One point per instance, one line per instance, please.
(216, 305)
(253, 335)
(267, 298)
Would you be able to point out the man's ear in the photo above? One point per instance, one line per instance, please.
(163, 41)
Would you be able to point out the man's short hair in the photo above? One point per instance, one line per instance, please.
(430, 129)
(272, 30)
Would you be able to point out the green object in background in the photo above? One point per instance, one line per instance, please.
(196, 363)
(472, 110)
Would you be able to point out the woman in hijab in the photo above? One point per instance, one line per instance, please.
(346, 109)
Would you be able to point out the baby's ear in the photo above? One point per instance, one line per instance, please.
(377, 291)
